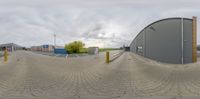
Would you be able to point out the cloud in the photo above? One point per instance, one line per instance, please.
(104, 23)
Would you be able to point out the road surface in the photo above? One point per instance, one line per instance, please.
(29, 75)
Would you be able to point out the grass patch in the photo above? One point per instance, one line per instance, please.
(83, 50)
(107, 49)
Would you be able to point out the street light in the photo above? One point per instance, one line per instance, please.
(54, 40)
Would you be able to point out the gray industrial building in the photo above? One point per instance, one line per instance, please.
(11, 47)
(170, 40)
(93, 50)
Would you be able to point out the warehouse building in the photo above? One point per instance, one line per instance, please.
(11, 47)
(170, 40)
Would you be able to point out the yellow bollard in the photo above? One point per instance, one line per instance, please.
(107, 57)
(6, 55)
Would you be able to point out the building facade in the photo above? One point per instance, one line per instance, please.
(171, 40)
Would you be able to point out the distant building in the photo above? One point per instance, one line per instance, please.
(93, 50)
(60, 47)
(11, 47)
(44, 48)
(47, 48)
(198, 47)
(36, 48)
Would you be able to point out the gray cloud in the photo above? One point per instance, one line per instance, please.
(104, 23)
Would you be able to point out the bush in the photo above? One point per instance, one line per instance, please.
(74, 47)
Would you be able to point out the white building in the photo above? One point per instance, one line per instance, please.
(93, 50)
(11, 47)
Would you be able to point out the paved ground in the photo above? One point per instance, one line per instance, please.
(29, 75)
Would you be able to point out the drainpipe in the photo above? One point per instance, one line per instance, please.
(182, 43)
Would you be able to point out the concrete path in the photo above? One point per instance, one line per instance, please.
(33, 76)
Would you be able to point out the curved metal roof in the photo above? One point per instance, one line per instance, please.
(157, 22)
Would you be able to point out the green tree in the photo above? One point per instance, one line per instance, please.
(74, 47)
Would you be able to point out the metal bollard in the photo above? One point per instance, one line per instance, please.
(107, 57)
(5, 55)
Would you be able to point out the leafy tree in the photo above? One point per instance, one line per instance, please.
(74, 47)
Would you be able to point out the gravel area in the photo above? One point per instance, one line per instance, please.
(34, 76)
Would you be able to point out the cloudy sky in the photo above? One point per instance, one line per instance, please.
(103, 23)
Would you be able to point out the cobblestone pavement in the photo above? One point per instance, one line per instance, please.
(30, 75)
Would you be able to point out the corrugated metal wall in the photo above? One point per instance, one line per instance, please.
(162, 41)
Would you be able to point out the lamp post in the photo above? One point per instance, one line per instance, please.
(54, 40)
